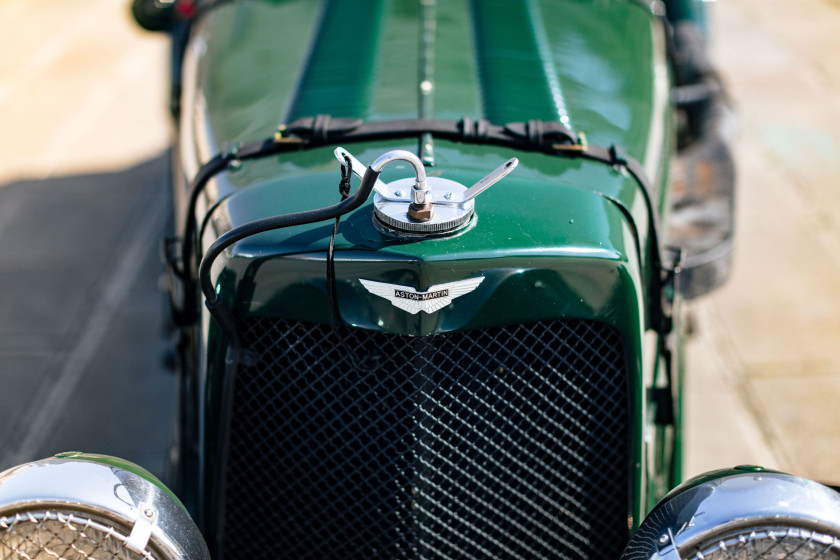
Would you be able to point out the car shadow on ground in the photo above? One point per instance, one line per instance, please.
(82, 317)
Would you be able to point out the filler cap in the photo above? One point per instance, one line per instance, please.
(423, 205)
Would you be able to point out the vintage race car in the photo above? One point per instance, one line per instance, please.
(427, 285)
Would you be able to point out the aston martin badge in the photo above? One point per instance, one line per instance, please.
(435, 298)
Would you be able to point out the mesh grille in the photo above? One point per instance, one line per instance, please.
(775, 543)
(51, 535)
(502, 443)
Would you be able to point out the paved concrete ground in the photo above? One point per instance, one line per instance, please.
(80, 325)
(83, 204)
(82, 201)
(765, 369)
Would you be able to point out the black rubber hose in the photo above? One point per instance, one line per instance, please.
(214, 302)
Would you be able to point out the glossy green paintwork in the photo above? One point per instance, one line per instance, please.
(348, 31)
(269, 59)
(558, 238)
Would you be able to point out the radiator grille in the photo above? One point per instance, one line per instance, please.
(501, 443)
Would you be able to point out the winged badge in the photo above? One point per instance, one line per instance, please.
(435, 298)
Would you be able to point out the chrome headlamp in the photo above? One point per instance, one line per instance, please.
(747, 513)
(91, 507)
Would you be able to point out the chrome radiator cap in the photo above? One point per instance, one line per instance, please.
(747, 513)
(94, 507)
(421, 205)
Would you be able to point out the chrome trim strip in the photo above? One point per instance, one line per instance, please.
(426, 85)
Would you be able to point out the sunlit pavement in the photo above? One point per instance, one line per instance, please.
(83, 204)
(83, 131)
(764, 374)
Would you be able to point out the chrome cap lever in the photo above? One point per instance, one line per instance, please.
(491, 179)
